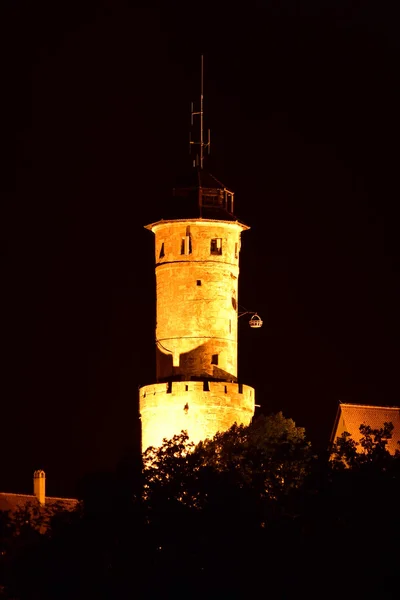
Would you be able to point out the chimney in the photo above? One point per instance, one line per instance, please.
(39, 486)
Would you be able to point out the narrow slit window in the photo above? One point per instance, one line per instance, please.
(214, 359)
(186, 245)
(225, 389)
(216, 246)
(236, 250)
(162, 251)
(198, 282)
(186, 388)
(206, 386)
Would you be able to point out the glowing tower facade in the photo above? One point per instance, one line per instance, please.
(197, 275)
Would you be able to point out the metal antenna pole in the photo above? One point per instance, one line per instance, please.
(201, 116)
(200, 113)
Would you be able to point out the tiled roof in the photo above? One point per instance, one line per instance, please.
(14, 501)
(350, 416)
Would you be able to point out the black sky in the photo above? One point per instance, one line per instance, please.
(303, 102)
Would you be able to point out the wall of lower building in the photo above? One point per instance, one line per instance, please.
(351, 416)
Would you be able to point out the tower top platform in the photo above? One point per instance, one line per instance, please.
(198, 194)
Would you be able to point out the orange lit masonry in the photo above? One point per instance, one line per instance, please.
(197, 274)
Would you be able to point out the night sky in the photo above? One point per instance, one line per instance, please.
(303, 102)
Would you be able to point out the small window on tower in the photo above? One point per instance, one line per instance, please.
(236, 250)
(186, 245)
(162, 251)
(216, 246)
(214, 359)
(198, 282)
(188, 241)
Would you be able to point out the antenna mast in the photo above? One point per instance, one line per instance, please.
(201, 113)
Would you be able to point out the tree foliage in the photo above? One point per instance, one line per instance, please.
(252, 508)
(371, 449)
(268, 458)
(272, 454)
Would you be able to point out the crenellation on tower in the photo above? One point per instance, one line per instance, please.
(167, 410)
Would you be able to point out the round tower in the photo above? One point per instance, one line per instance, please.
(197, 276)
(197, 270)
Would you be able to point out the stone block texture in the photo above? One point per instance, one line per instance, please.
(168, 408)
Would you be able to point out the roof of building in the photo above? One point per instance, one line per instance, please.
(189, 195)
(197, 177)
(13, 502)
(349, 417)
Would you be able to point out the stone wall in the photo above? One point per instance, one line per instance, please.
(197, 298)
(200, 408)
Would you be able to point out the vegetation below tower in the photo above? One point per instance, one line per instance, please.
(251, 511)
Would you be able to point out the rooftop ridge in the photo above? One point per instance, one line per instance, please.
(385, 406)
(34, 497)
(18, 495)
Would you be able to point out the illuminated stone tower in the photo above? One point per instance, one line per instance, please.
(197, 274)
